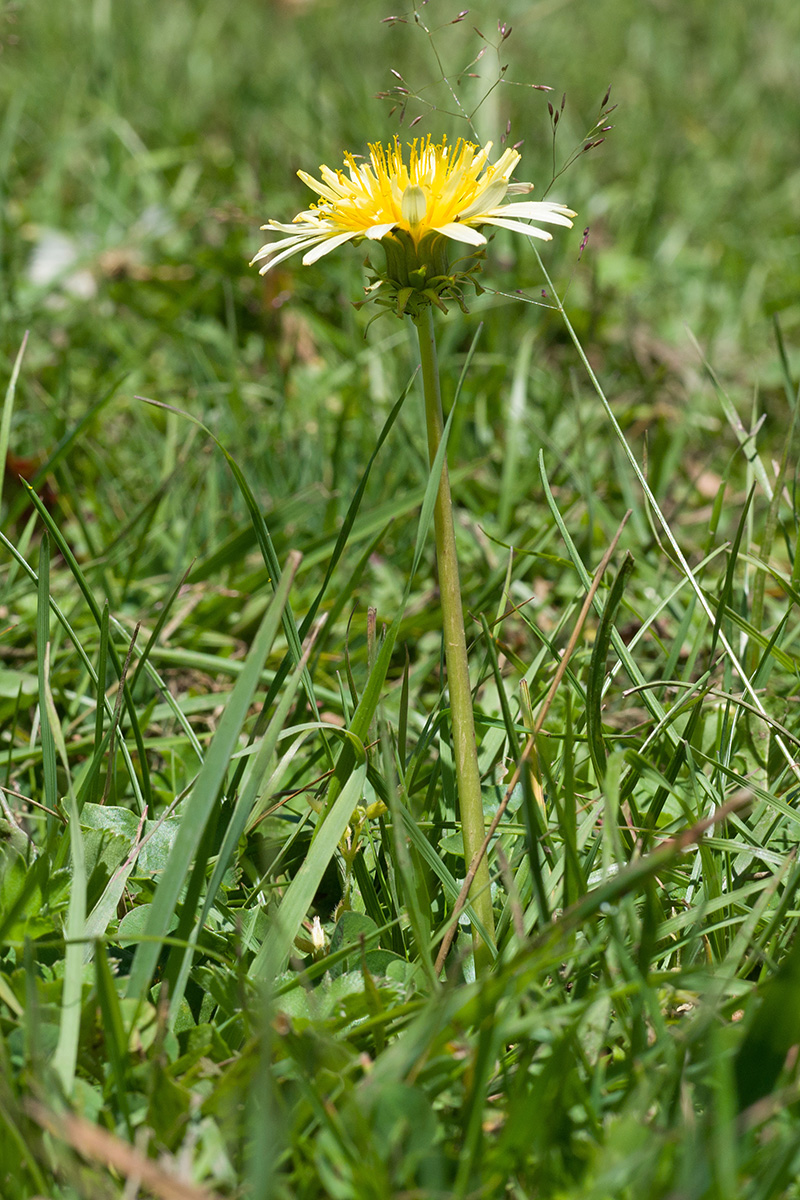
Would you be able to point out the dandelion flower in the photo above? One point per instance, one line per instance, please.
(443, 192)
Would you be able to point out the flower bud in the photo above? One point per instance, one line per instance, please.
(414, 205)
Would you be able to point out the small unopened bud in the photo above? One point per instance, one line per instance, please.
(414, 204)
(317, 937)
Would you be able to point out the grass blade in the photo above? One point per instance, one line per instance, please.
(43, 649)
(8, 408)
(271, 958)
(204, 796)
(66, 1053)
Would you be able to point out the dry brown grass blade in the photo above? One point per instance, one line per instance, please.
(100, 1146)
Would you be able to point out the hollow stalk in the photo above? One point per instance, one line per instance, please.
(465, 749)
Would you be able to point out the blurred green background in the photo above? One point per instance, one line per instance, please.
(143, 145)
(155, 139)
(141, 148)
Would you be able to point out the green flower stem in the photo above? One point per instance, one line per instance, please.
(455, 647)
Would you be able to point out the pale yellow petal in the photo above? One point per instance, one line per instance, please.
(517, 227)
(537, 210)
(460, 232)
(325, 247)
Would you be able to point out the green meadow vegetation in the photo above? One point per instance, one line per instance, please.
(222, 975)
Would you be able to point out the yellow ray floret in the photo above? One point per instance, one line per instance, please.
(450, 190)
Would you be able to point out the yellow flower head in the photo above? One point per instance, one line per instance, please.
(449, 191)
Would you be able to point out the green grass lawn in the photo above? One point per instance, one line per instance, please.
(207, 989)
